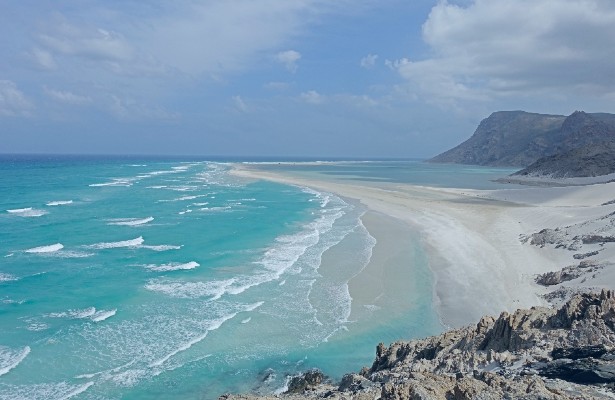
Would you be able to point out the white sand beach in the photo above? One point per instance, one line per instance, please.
(478, 242)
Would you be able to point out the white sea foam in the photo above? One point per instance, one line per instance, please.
(85, 313)
(9, 255)
(112, 245)
(129, 378)
(163, 172)
(7, 277)
(74, 313)
(183, 188)
(173, 266)
(42, 391)
(245, 321)
(103, 315)
(37, 326)
(72, 254)
(214, 209)
(181, 348)
(161, 247)
(27, 212)
(126, 182)
(59, 202)
(276, 261)
(183, 198)
(130, 221)
(77, 391)
(11, 358)
(11, 301)
(46, 249)
(189, 197)
(213, 325)
(189, 290)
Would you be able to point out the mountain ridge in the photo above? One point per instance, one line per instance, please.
(520, 138)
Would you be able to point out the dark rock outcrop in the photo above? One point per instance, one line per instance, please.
(518, 138)
(595, 159)
(308, 380)
(569, 273)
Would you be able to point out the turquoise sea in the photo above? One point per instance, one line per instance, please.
(148, 278)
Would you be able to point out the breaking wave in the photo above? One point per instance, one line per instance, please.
(59, 203)
(46, 249)
(11, 358)
(27, 212)
(130, 221)
(114, 245)
(172, 266)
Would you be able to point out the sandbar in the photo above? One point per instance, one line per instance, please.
(480, 262)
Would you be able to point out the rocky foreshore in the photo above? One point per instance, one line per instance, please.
(539, 353)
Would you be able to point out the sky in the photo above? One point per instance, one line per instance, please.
(285, 78)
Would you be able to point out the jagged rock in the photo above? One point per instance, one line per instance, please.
(585, 255)
(355, 382)
(306, 381)
(586, 370)
(574, 353)
(540, 353)
(597, 233)
(545, 236)
(568, 273)
(591, 239)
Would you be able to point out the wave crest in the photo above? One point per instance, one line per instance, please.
(46, 249)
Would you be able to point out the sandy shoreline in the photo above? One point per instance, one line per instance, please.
(479, 264)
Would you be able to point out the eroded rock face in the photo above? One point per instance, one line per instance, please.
(307, 381)
(539, 353)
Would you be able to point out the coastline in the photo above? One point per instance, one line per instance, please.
(472, 237)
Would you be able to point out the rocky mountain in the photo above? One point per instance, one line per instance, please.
(540, 353)
(518, 138)
(594, 159)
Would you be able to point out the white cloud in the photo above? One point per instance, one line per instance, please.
(127, 108)
(369, 61)
(188, 38)
(497, 48)
(240, 104)
(289, 59)
(43, 58)
(313, 97)
(97, 44)
(210, 36)
(67, 97)
(12, 101)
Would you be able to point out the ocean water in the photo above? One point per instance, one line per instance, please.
(127, 278)
(415, 172)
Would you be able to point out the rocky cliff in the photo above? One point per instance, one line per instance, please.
(540, 353)
(518, 138)
(595, 159)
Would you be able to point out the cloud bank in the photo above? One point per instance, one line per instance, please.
(497, 48)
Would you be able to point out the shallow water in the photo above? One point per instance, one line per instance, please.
(151, 278)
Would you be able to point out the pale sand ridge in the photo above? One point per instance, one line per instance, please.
(479, 263)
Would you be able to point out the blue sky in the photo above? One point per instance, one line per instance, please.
(361, 78)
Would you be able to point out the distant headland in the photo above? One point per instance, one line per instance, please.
(579, 145)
